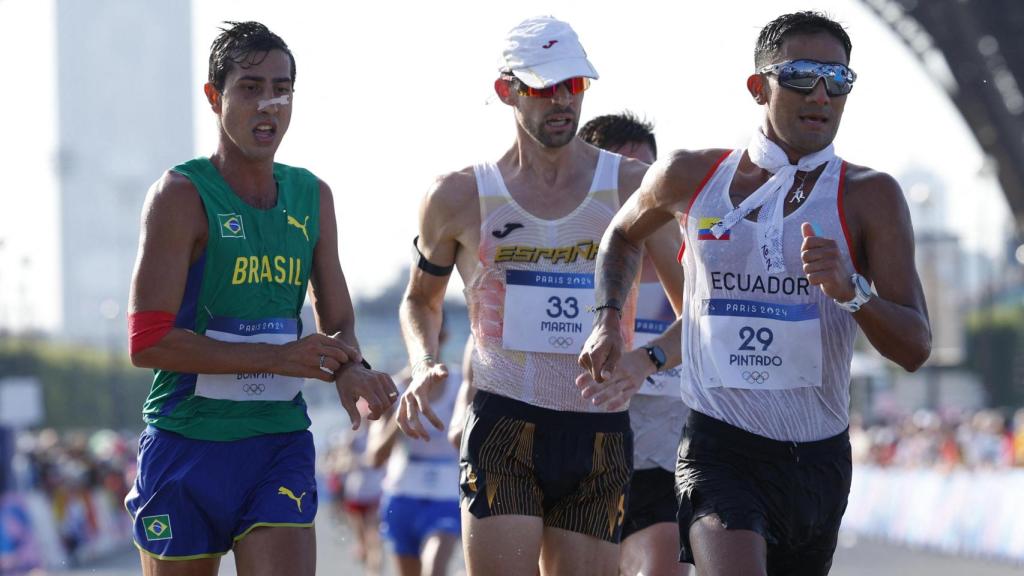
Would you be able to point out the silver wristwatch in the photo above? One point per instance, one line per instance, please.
(861, 294)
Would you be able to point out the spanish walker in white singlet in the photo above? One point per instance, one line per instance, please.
(531, 297)
(768, 353)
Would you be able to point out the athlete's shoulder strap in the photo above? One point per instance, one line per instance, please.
(488, 180)
(213, 190)
(605, 185)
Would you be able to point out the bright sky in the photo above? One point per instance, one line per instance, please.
(391, 94)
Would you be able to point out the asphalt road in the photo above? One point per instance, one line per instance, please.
(855, 557)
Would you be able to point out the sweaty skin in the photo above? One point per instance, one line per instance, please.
(895, 321)
(548, 172)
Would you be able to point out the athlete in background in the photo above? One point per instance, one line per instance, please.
(650, 536)
(421, 486)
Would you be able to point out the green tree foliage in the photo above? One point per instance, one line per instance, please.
(82, 387)
(995, 352)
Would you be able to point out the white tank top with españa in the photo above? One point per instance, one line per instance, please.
(531, 297)
(767, 353)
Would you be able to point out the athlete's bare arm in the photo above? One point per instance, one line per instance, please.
(662, 245)
(174, 235)
(382, 438)
(448, 233)
(464, 398)
(332, 306)
(896, 320)
(664, 195)
(665, 259)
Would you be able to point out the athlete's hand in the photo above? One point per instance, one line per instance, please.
(315, 356)
(356, 381)
(603, 348)
(625, 379)
(824, 265)
(416, 400)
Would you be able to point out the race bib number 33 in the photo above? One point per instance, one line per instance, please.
(760, 345)
(547, 311)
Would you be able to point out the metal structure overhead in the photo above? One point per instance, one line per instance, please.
(973, 48)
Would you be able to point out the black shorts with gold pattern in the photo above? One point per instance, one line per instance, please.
(570, 468)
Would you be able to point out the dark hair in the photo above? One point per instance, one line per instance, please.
(617, 130)
(244, 44)
(769, 41)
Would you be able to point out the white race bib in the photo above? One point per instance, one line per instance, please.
(760, 345)
(547, 311)
(246, 386)
(436, 477)
(666, 382)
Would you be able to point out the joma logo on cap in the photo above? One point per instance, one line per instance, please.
(549, 44)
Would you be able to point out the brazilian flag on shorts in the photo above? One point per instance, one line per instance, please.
(158, 527)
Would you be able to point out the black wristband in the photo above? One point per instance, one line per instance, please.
(366, 364)
(611, 303)
(429, 267)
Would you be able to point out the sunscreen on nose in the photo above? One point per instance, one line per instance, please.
(279, 101)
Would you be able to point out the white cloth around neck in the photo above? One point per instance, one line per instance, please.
(770, 197)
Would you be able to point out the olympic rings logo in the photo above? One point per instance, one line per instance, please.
(560, 341)
(254, 388)
(756, 377)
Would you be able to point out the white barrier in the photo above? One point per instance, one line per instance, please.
(979, 513)
(33, 530)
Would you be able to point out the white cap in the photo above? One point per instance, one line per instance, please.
(544, 51)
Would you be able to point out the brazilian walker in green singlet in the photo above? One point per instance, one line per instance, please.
(247, 286)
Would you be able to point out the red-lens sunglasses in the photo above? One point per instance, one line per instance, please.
(573, 85)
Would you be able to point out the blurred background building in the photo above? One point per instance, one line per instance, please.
(132, 57)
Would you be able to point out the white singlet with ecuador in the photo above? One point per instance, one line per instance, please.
(531, 297)
(768, 353)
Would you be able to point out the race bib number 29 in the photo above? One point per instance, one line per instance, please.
(547, 311)
(760, 345)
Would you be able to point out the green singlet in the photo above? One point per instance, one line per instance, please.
(248, 286)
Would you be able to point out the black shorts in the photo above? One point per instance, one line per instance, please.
(652, 499)
(570, 468)
(792, 494)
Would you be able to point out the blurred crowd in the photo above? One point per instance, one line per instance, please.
(83, 476)
(975, 440)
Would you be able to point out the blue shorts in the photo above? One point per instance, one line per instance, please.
(408, 521)
(196, 498)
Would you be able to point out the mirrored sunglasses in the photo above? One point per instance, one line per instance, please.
(803, 75)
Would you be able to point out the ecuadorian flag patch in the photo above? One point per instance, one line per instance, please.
(704, 231)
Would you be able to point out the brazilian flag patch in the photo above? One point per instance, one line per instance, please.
(231, 226)
(157, 527)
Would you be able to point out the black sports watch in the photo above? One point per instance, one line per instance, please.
(657, 356)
